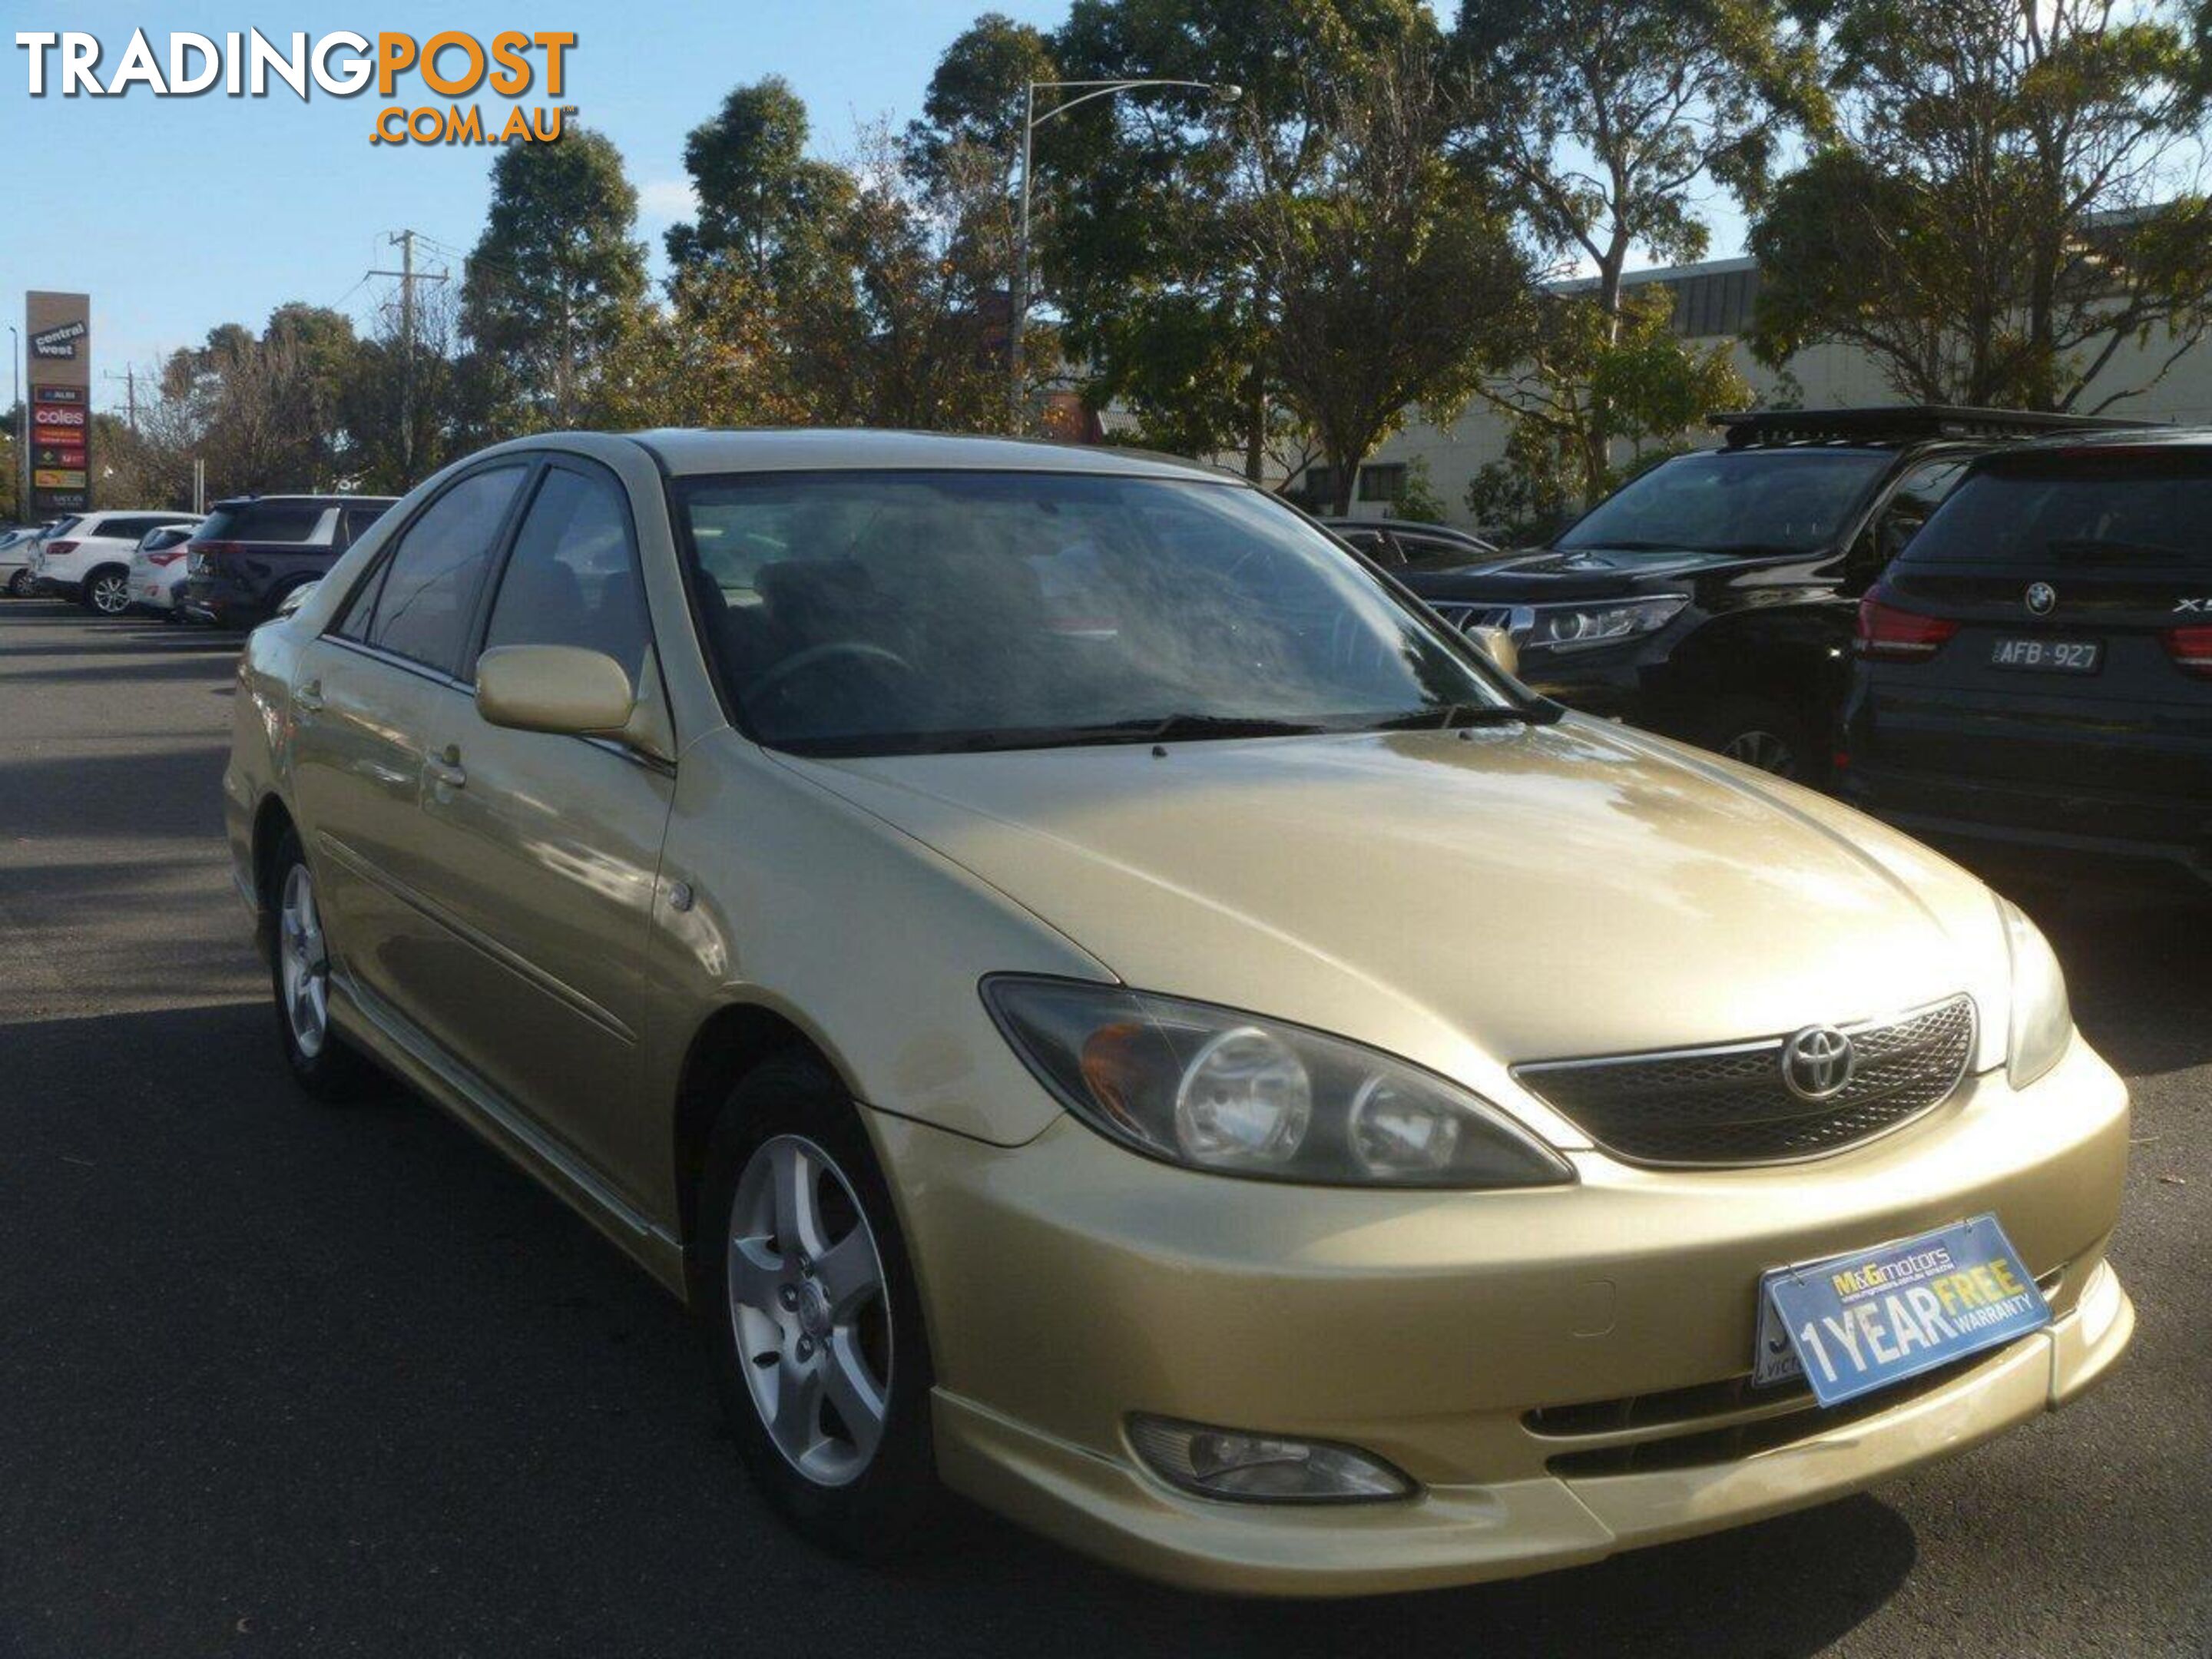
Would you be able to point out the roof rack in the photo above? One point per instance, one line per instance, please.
(1901, 422)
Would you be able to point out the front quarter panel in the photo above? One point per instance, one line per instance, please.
(260, 726)
(863, 938)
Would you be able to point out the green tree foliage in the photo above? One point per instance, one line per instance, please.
(2013, 201)
(555, 275)
(762, 199)
(1577, 380)
(1611, 118)
(975, 100)
(1374, 271)
(1148, 250)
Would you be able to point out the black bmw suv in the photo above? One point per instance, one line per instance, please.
(2036, 670)
(1712, 597)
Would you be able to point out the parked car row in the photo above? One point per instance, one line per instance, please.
(232, 568)
(1993, 628)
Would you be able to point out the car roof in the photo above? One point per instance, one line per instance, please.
(1889, 426)
(1411, 526)
(686, 451)
(327, 499)
(2139, 439)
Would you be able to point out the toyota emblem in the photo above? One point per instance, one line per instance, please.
(2041, 598)
(1817, 1063)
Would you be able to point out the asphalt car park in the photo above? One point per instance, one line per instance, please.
(287, 1378)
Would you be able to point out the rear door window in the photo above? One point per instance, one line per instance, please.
(357, 519)
(2151, 507)
(430, 584)
(266, 521)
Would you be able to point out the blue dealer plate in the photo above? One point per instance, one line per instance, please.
(1853, 1323)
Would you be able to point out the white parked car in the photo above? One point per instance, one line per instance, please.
(157, 569)
(17, 546)
(90, 561)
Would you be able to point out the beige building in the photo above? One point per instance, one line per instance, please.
(1712, 303)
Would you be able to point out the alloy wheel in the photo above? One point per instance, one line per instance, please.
(808, 1309)
(20, 583)
(1770, 751)
(111, 594)
(304, 962)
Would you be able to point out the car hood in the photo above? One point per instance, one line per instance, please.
(1469, 901)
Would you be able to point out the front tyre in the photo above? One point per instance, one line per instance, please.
(810, 1315)
(300, 974)
(1758, 732)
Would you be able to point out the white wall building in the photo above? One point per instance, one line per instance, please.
(1713, 303)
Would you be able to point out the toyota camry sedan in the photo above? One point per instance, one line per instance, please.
(1101, 1004)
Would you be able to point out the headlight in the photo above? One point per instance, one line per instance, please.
(2042, 1023)
(1217, 1090)
(1578, 627)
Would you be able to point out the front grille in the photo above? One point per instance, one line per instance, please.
(1730, 1105)
(1463, 616)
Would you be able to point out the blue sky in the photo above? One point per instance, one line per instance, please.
(176, 214)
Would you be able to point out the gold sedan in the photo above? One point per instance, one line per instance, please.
(1102, 1005)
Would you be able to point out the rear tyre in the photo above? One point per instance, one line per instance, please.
(300, 976)
(108, 590)
(807, 1302)
(1754, 731)
(19, 585)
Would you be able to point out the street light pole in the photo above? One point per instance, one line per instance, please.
(1017, 323)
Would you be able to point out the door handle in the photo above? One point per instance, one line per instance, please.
(308, 698)
(447, 770)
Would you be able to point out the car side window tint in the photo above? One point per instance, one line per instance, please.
(573, 578)
(430, 583)
(358, 521)
(1917, 495)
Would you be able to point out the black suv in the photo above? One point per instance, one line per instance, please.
(2036, 670)
(1711, 598)
(252, 551)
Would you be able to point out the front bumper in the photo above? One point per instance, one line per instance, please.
(2099, 833)
(1560, 1371)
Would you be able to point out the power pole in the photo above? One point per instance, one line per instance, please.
(129, 378)
(408, 276)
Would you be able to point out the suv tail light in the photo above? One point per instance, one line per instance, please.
(1886, 631)
(54, 550)
(168, 557)
(2190, 649)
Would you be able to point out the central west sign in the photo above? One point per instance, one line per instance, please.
(59, 329)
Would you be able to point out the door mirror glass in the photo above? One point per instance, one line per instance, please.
(553, 687)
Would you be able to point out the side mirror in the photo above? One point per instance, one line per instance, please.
(1497, 644)
(553, 687)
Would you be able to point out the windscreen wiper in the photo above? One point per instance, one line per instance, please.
(1150, 729)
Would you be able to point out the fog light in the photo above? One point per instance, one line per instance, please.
(1262, 1468)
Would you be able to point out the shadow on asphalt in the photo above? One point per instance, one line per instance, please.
(330, 1370)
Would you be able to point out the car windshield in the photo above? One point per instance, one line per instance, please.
(261, 521)
(912, 611)
(1749, 502)
(2146, 509)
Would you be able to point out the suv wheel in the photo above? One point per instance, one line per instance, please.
(300, 974)
(19, 585)
(1768, 736)
(108, 590)
(809, 1311)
